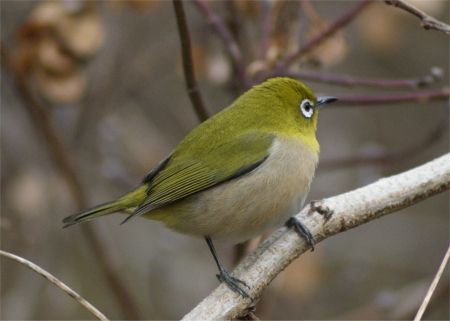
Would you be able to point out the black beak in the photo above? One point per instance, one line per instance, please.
(324, 100)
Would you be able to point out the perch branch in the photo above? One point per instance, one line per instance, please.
(422, 96)
(56, 282)
(230, 44)
(433, 286)
(58, 152)
(345, 211)
(188, 65)
(427, 21)
(432, 77)
(327, 32)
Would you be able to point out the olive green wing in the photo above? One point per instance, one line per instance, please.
(188, 172)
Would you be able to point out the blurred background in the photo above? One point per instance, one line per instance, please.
(107, 77)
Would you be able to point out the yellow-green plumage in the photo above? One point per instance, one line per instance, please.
(244, 170)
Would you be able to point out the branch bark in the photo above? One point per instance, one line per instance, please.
(52, 279)
(346, 211)
(427, 21)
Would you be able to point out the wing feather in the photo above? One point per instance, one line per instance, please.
(187, 173)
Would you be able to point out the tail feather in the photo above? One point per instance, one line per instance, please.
(92, 213)
(125, 203)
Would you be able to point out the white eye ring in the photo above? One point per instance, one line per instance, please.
(307, 108)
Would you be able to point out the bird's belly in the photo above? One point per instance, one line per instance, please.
(245, 207)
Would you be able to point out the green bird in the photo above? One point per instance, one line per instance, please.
(243, 171)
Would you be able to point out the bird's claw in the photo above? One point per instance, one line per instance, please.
(233, 283)
(302, 230)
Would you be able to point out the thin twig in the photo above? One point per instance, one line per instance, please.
(88, 306)
(433, 286)
(325, 218)
(435, 74)
(365, 159)
(58, 152)
(427, 21)
(230, 44)
(265, 21)
(233, 20)
(402, 303)
(332, 28)
(421, 96)
(188, 64)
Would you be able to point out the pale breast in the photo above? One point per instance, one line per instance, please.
(249, 205)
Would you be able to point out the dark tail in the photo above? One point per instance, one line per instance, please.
(92, 213)
(127, 201)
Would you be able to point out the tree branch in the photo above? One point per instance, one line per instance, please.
(230, 44)
(56, 282)
(344, 211)
(434, 75)
(327, 32)
(188, 65)
(427, 21)
(433, 286)
(422, 96)
(58, 152)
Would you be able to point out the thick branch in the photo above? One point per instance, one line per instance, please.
(58, 152)
(327, 32)
(427, 21)
(188, 65)
(56, 282)
(348, 210)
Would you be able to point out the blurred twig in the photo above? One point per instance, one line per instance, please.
(421, 96)
(188, 65)
(398, 304)
(427, 21)
(265, 21)
(434, 75)
(56, 282)
(433, 285)
(345, 211)
(58, 152)
(230, 44)
(233, 20)
(328, 31)
(365, 159)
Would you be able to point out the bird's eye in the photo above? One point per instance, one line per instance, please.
(307, 109)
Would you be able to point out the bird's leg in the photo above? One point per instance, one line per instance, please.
(223, 276)
(302, 230)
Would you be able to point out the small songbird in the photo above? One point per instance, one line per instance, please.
(243, 171)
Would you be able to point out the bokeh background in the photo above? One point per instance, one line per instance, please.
(120, 107)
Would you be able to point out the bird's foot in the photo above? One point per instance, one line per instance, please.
(325, 211)
(302, 230)
(233, 283)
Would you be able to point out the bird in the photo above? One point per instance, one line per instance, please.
(241, 172)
